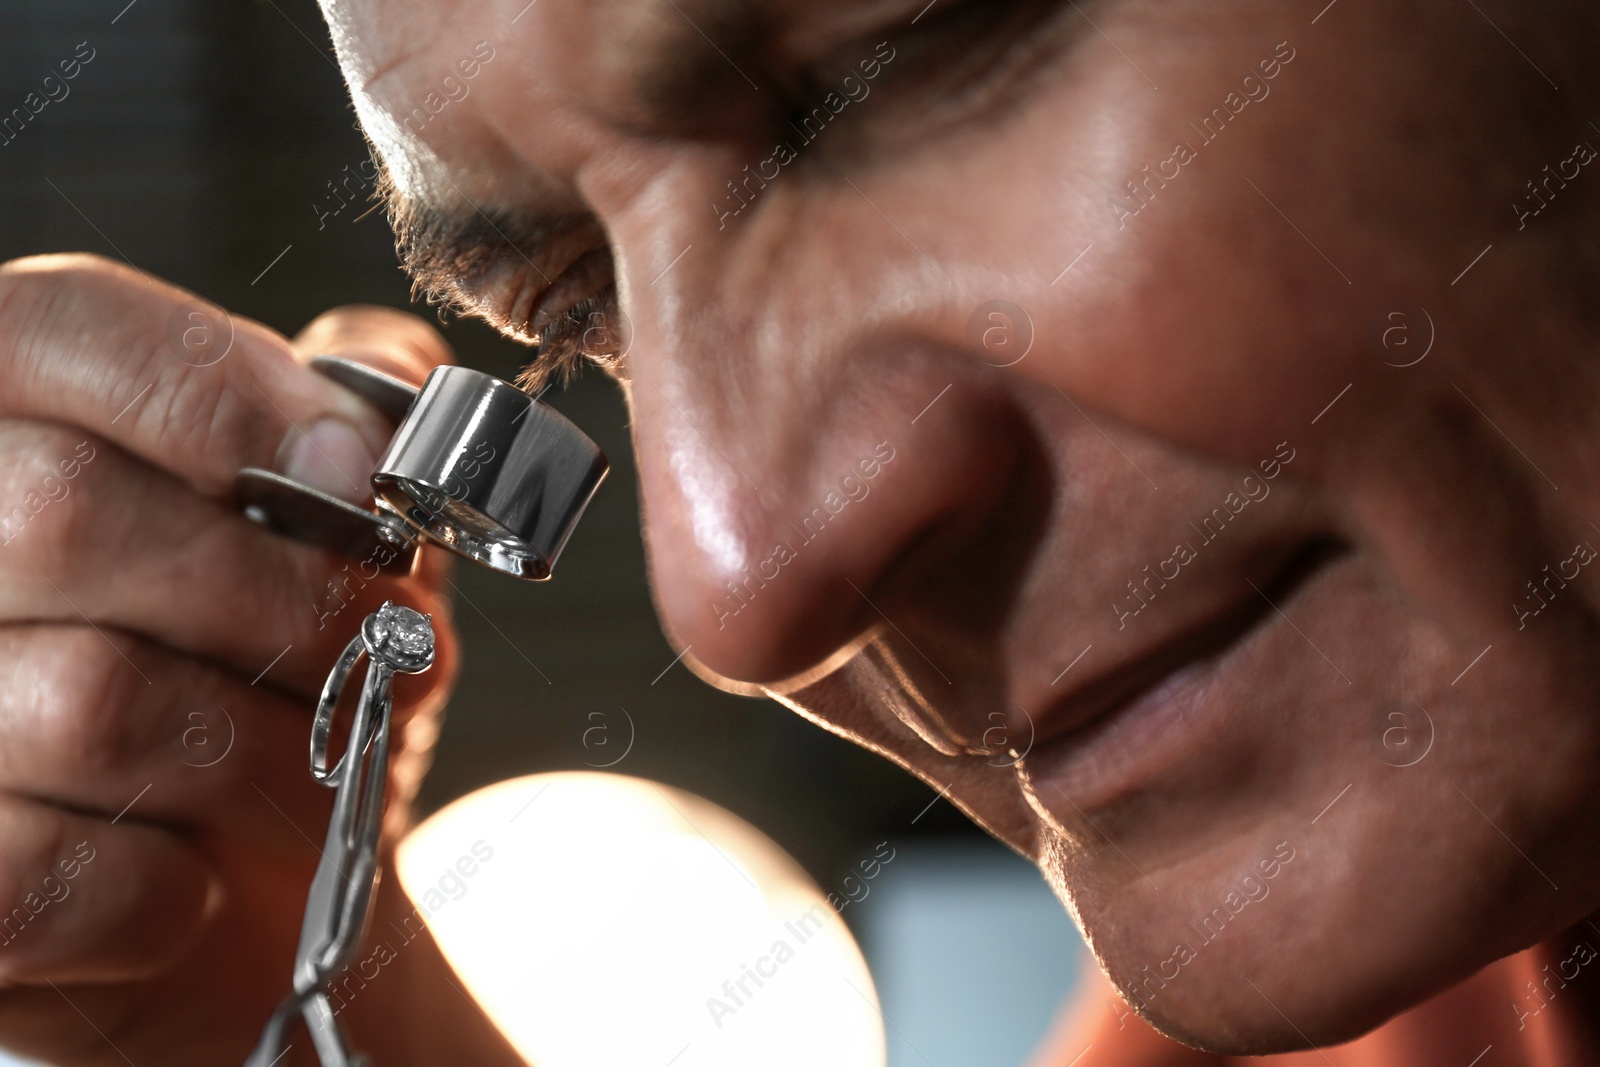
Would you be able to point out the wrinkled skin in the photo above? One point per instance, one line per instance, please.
(1341, 728)
(1196, 339)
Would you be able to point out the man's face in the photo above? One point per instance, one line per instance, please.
(1144, 421)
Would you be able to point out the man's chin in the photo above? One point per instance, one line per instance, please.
(1219, 1039)
(1267, 993)
(1235, 1017)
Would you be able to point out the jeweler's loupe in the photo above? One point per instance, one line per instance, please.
(476, 465)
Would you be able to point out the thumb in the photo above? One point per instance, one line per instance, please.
(384, 339)
(387, 340)
(394, 342)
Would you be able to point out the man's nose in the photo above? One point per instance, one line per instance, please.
(791, 505)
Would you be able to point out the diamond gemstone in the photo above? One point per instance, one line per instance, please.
(403, 629)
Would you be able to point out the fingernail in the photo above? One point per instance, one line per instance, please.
(331, 456)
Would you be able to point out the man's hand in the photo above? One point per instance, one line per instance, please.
(160, 656)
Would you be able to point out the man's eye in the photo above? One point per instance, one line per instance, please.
(568, 319)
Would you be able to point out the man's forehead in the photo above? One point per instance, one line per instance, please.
(623, 55)
(387, 45)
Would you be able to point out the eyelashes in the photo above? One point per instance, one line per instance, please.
(567, 320)
(593, 330)
(547, 281)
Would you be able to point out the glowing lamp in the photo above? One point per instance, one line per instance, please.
(607, 921)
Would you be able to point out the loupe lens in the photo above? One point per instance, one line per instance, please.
(485, 470)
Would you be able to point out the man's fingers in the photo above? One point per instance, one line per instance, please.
(86, 900)
(197, 746)
(382, 338)
(130, 547)
(174, 379)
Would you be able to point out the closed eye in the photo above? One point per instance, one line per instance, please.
(547, 281)
(593, 330)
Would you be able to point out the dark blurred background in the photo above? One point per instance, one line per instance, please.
(202, 143)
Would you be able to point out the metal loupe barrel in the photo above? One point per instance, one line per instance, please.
(483, 468)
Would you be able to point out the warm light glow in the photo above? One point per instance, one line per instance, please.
(607, 921)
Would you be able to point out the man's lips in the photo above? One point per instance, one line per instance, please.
(1105, 693)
